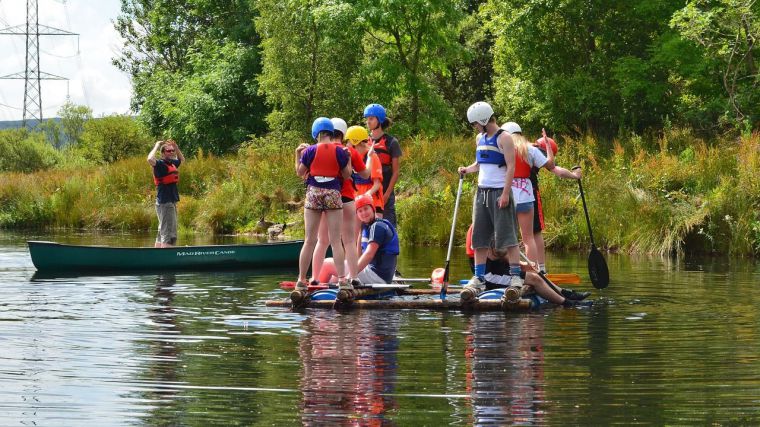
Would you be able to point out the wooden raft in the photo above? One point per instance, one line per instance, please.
(420, 304)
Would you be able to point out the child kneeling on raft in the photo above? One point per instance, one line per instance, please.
(379, 247)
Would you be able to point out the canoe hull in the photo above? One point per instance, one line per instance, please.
(50, 256)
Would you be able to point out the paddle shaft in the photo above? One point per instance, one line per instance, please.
(585, 211)
(543, 276)
(451, 236)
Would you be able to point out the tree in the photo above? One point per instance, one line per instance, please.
(111, 138)
(194, 66)
(73, 119)
(311, 51)
(729, 31)
(410, 45)
(560, 63)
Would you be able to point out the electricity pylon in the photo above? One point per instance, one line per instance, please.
(32, 75)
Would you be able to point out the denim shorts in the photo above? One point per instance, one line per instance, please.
(524, 207)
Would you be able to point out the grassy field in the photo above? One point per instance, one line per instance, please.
(659, 195)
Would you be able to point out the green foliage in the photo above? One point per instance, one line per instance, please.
(24, 151)
(656, 197)
(201, 69)
(410, 46)
(73, 119)
(111, 138)
(727, 30)
(561, 63)
(194, 66)
(311, 52)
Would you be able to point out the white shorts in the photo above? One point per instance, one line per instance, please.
(369, 277)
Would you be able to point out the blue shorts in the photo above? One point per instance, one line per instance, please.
(524, 207)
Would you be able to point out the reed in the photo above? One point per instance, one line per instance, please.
(666, 194)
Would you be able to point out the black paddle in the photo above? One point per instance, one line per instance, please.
(597, 266)
(543, 275)
(445, 284)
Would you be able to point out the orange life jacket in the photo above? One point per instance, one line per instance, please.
(522, 168)
(325, 161)
(382, 151)
(172, 177)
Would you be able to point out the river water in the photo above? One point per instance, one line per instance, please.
(673, 342)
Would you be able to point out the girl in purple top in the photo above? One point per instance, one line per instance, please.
(322, 165)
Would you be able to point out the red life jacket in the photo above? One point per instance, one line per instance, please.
(172, 177)
(382, 151)
(325, 161)
(522, 168)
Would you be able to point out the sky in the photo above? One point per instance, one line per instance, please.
(93, 80)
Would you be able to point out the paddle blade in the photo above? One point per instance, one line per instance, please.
(564, 278)
(597, 269)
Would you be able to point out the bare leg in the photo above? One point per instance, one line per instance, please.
(542, 289)
(334, 220)
(513, 255)
(321, 249)
(481, 255)
(348, 236)
(311, 224)
(538, 238)
(525, 219)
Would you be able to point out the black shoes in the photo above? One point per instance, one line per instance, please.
(575, 296)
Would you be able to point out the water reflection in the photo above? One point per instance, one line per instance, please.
(161, 355)
(349, 365)
(505, 375)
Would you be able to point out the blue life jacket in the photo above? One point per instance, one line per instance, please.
(390, 248)
(488, 150)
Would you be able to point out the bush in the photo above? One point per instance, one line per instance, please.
(111, 138)
(24, 151)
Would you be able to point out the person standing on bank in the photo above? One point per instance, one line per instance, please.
(166, 176)
(388, 151)
(493, 210)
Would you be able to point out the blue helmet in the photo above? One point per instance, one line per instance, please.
(322, 124)
(376, 110)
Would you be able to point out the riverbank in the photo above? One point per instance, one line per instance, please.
(668, 194)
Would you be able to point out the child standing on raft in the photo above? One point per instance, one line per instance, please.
(349, 226)
(493, 210)
(371, 185)
(389, 152)
(527, 157)
(322, 165)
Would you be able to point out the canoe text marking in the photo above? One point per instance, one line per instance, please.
(205, 253)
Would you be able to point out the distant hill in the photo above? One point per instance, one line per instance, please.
(14, 124)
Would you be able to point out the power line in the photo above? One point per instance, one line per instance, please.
(32, 75)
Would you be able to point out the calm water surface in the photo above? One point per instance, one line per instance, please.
(669, 342)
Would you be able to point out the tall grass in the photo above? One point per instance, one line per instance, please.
(661, 195)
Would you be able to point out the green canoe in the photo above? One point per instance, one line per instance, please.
(50, 256)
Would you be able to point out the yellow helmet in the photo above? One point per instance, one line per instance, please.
(357, 134)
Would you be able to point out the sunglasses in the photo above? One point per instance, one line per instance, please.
(168, 151)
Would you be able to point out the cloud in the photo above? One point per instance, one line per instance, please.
(93, 80)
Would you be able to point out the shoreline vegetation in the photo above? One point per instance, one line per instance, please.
(663, 195)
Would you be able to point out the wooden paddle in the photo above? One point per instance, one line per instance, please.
(445, 284)
(597, 266)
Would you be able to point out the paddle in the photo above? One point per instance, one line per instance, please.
(445, 284)
(597, 266)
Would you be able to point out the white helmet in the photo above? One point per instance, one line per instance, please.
(340, 125)
(511, 127)
(479, 112)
